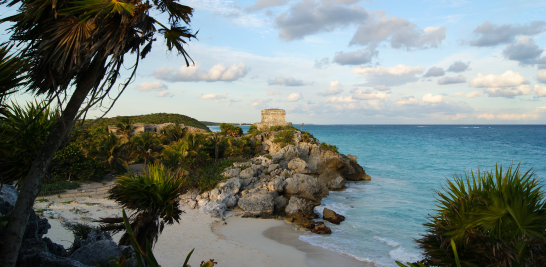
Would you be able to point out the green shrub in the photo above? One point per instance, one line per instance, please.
(57, 187)
(211, 175)
(72, 164)
(493, 218)
(253, 130)
(23, 131)
(231, 130)
(284, 138)
(333, 148)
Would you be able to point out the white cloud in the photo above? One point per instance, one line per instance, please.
(309, 17)
(285, 81)
(214, 96)
(458, 66)
(458, 94)
(509, 78)
(262, 4)
(273, 93)
(410, 100)
(218, 72)
(491, 35)
(381, 88)
(358, 57)
(430, 98)
(473, 94)
(540, 90)
(400, 32)
(509, 92)
(434, 72)
(341, 99)
(525, 51)
(151, 86)
(541, 76)
(260, 103)
(164, 94)
(389, 76)
(368, 95)
(452, 80)
(293, 97)
(334, 89)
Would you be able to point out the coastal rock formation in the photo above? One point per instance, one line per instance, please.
(37, 250)
(332, 216)
(287, 181)
(321, 229)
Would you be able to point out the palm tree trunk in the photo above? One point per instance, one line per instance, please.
(31, 185)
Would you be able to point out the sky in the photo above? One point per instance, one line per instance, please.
(351, 62)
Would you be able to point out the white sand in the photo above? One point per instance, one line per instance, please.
(240, 242)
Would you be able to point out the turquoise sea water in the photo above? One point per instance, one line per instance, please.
(407, 162)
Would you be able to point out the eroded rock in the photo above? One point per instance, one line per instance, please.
(332, 216)
(259, 204)
(307, 187)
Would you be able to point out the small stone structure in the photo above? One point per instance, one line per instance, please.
(272, 117)
(156, 128)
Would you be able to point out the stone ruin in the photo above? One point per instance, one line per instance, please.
(156, 128)
(272, 117)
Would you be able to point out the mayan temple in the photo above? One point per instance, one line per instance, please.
(272, 117)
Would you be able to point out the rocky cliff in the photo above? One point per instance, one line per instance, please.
(287, 181)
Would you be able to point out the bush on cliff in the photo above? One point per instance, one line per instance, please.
(494, 219)
(326, 146)
(284, 137)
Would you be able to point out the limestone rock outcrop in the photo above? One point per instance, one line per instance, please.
(332, 216)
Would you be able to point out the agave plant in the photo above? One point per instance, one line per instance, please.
(23, 131)
(152, 197)
(494, 219)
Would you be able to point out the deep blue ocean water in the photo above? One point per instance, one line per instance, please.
(407, 163)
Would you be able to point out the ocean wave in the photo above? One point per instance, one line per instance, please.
(401, 255)
(387, 241)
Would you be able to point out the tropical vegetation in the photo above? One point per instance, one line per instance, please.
(75, 50)
(494, 218)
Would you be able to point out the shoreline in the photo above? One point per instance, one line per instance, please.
(234, 242)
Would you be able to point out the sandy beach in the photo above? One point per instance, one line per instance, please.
(234, 242)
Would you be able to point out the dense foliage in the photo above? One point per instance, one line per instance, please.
(495, 218)
(23, 131)
(71, 163)
(154, 118)
(326, 146)
(231, 130)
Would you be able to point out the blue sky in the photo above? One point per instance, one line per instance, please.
(352, 62)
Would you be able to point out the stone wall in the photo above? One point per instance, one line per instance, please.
(272, 117)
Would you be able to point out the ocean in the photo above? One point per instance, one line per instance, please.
(407, 163)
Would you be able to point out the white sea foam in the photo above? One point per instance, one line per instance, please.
(387, 241)
(401, 255)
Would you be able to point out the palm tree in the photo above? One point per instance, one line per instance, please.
(152, 196)
(110, 149)
(125, 127)
(216, 141)
(145, 144)
(494, 219)
(12, 74)
(83, 44)
(173, 133)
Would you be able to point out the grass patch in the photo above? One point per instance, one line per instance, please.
(42, 200)
(57, 187)
(67, 202)
(91, 204)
